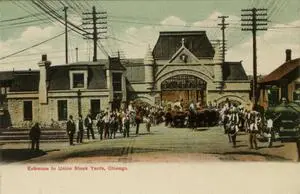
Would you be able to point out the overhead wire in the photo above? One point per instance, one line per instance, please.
(35, 45)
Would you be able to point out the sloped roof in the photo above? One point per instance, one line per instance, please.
(59, 79)
(234, 71)
(281, 71)
(195, 41)
(6, 75)
(25, 81)
(115, 64)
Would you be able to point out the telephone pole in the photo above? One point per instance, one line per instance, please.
(95, 32)
(253, 20)
(223, 27)
(66, 34)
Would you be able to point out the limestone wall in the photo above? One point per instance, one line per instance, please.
(44, 113)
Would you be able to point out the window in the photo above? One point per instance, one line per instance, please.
(95, 108)
(27, 107)
(62, 107)
(78, 80)
(117, 81)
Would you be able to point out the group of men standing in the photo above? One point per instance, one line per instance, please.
(252, 122)
(107, 123)
(78, 126)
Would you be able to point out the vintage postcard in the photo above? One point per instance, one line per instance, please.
(149, 96)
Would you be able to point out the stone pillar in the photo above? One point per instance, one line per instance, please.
(149, 62)
(218, 70)
(43, 93)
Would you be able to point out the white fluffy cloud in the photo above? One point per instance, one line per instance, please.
(134, 41)
(271, 46)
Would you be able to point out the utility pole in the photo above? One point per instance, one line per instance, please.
(95, 32)
(223, 27)
(252, 20)
(66, 34)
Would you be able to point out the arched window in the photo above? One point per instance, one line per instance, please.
(183, 82)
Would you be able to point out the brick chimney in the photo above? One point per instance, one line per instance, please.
(288, 54)
(43, 93)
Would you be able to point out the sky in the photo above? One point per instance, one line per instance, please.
(133, 26)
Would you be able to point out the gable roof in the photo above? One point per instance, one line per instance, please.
(115, 64)
(234, 71)
(184, 50)
(195, 41)
(281, 71)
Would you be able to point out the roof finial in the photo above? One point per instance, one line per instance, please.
(182, 41)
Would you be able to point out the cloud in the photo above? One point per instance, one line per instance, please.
(133, 41)
(271, 46)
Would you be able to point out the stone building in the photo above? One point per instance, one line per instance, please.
(183, 66)
(55, 92)
(186, 66)
(283, 82)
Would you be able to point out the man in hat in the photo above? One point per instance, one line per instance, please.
(100, 124)
(88, 122)
(71, 129)
(34, 135)
(126, 124)
(234, 123)
(79, 129)
(253, 129)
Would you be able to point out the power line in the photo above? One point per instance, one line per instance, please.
(35, 45)
(21, 18)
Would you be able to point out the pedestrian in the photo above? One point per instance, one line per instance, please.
(138, 121)
(34, 135)
(113, 125)
(100, 124)
(71, 129)
(148, 123)
(79, 129)
(270, 131)
(126, 124)
(88, 122)
(253, 130)
(106, 125)
(234, 123)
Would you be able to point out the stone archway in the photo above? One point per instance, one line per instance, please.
(198, 74)
(237, 100)
(144, 98)
(184, 88)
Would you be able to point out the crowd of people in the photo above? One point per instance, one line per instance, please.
(108, 123)
(237, 118)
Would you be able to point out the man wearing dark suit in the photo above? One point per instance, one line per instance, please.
(138, 120)
(79, 128)
(71, 127)
(88, 122)
(35, 134)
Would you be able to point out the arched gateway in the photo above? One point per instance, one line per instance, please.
(184, 87)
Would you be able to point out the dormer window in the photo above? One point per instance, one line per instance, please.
(78, 79)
